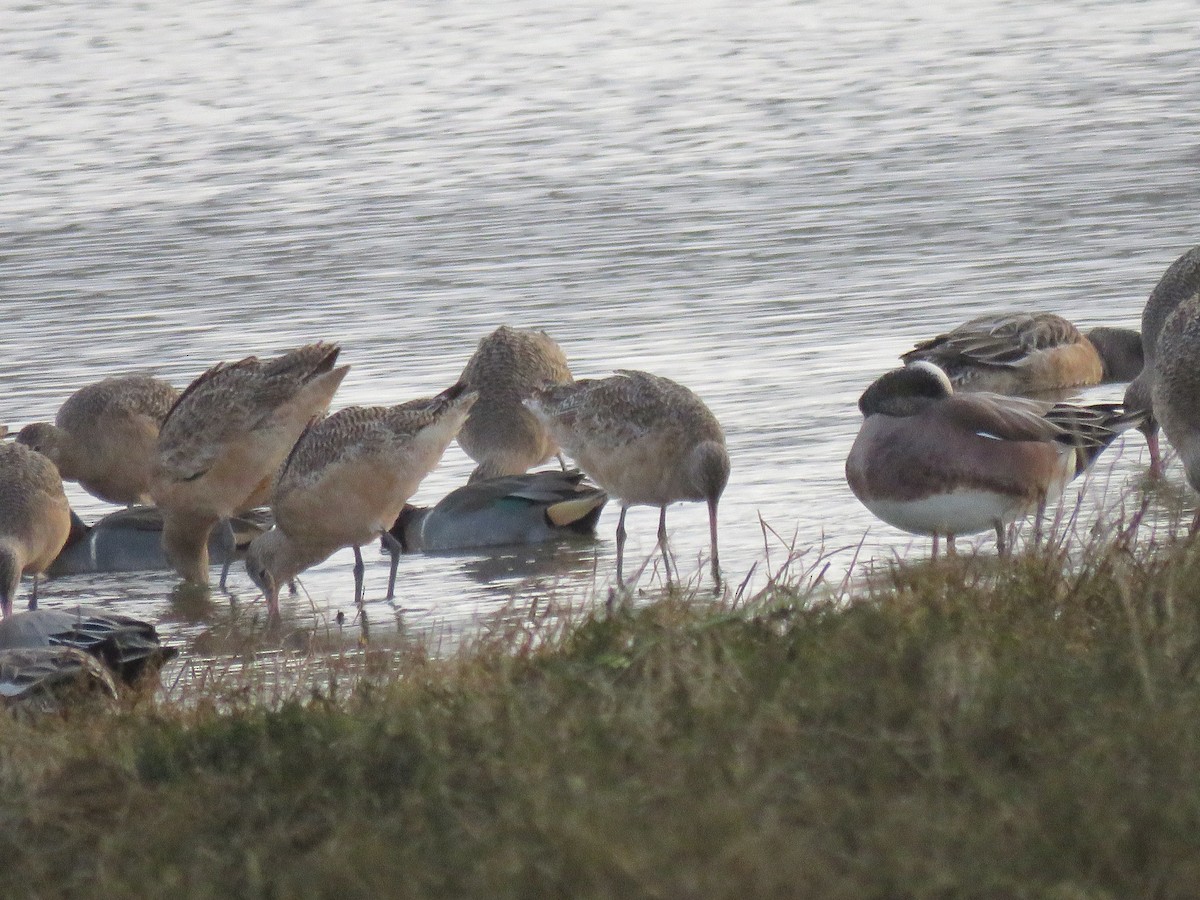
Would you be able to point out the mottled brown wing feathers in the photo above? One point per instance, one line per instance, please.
(1000, 340)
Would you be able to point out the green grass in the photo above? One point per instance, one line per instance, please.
(965, 729)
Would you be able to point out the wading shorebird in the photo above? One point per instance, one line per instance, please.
(495, 512)
(1028, 353)
(930, 461)
(1180, 281)
(645, 440)
(501, 435)
(35, 519)
(1175, 386)
(224, 439)
(346, 481)
(105, 436)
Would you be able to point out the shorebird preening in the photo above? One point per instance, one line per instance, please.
(646, 440)
(346, 481)
(224, 439)
(105, 436)
(35, 519)
(500, 434)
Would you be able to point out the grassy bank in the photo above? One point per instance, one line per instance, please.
(958, 730)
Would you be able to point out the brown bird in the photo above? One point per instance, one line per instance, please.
(930, 461)
(1028, 353)
(35, 519)
(1175, 386)
(1179, 282)
(644, 439)
(346, 481)
(501, 435)
(225, 438)
(105, 436)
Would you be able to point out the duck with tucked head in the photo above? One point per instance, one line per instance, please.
(128, 647)
(930, 461)
(1030, 353)
(130, 540)
(511, 510)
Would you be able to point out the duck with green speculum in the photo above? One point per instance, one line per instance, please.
(511, 510)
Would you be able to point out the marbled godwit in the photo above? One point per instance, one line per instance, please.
(501, 435)
(930, 461)
(1026, 353)
(644, 439)
(105, 436)
(345, 483)
(130, 540)
(226, 436)
(1180, 281)
(1175, 386)
(129, 647)
(35, 519)
(493, 512)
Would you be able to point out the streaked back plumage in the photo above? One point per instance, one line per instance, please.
(501, 435)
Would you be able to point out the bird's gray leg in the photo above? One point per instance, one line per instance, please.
(394, 548)
(662, 541)
(621, 546)
(229, 545)
(359, 568)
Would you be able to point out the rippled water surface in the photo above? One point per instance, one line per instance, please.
(766, 201)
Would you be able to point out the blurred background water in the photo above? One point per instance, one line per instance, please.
(766, 201)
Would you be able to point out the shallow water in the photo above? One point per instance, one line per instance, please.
(766, 202)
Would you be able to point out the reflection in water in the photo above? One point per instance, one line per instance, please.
(767, 204)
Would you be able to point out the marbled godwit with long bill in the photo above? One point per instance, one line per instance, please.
(646, 440)
(346, 481)
(224, 439)
(500, 434)
(35, 519)
(105, 436)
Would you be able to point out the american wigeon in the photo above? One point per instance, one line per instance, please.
(644, 439)
(130, 540)
(128, 647)
(501, 435)
(105, 436)
(930, 461)
(493, 512)
(346, 481)
(1175, 385)
(1180, 281)
(35, 519)
(1029, 353)
(224, 439)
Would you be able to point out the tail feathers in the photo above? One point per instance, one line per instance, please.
(580, 514)
(1090, 429)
